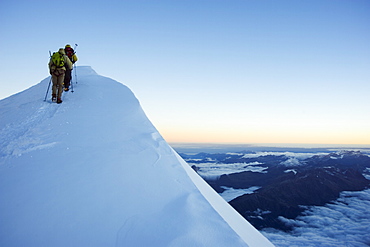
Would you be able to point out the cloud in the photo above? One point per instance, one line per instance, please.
(215, 170)
(291, 162)
(231, 193)
(291, 170)
(366, 173)
(300, 156)
(345, 222)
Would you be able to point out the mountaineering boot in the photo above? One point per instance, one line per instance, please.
(59, 100)
(53, 97)
(66, 89)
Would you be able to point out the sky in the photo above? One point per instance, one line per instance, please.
(239, 71)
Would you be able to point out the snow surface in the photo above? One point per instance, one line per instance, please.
(94, 171)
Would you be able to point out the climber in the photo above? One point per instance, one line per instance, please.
(68, 76)
(58, 64)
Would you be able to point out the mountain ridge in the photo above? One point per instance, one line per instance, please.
(94, 171)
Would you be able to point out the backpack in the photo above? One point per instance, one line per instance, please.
(58, 59)
(69, 52)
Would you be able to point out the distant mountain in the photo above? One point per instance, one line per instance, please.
(285, 195)
(287, 184)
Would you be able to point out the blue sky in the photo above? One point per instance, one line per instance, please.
(211, 71)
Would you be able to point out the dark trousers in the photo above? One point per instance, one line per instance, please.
(67, 78)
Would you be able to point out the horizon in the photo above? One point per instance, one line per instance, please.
(213, 71)
(328, 145)
(195, 148)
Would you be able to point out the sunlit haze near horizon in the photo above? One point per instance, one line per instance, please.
(238, 71)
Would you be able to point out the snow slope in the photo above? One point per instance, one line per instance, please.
(94, 171)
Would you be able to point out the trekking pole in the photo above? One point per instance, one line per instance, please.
(47, 91)
(74, 65)
(72, 85)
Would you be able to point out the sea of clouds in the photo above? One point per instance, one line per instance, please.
(345, 222)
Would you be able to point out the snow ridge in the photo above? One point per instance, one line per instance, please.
(94, 171)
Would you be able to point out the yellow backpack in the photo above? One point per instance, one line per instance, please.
(58, 59)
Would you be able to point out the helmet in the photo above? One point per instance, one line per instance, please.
(68, 46)
(61, 51)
